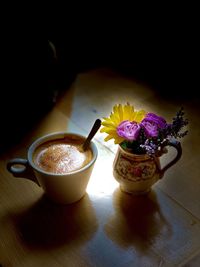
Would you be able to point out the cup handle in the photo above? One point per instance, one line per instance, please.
(23, 171)
(177, 146)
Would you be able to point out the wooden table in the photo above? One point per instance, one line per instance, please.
(106, 228)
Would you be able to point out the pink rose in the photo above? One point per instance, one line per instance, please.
(128, 130)
(152, 123)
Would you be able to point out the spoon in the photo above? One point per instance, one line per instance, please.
(93, 131)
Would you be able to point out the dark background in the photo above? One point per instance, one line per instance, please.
(163, 55)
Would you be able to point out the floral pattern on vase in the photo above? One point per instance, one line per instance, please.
(135, 173)
(133, 170)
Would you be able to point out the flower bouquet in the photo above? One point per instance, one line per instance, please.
(142, 138)
(140, 132)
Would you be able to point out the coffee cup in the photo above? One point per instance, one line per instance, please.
(59, 165)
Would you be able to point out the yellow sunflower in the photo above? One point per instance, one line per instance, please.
(120, 113)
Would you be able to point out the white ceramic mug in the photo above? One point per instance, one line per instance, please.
(61, 188)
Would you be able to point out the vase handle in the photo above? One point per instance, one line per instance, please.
(177, 146)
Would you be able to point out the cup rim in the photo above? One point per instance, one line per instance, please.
(59, 135)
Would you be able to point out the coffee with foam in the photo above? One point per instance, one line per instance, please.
(62, 156)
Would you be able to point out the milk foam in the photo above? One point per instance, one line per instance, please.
(61, 158)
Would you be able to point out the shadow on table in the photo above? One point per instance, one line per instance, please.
(47, 225)
(137, 221)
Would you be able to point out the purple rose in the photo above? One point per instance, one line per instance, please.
(152, 123)
(128, 130)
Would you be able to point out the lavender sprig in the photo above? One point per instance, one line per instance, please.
(177, 125)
